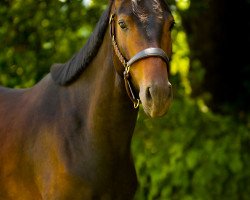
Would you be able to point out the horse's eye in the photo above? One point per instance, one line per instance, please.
(122, 24)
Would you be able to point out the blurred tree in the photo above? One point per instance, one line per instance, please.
(219, 38)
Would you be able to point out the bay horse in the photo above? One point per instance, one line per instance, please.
(69, 136)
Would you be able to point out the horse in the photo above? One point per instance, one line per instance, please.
(69, 136)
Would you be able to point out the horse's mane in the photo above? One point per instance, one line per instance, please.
(66, 73)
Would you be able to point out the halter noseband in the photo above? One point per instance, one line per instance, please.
(149, 52)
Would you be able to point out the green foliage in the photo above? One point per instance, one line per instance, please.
(192, 155)
(36, 34)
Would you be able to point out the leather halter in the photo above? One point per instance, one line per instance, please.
(149, 52)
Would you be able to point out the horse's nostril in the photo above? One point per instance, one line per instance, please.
(155, 93)
(148, 94)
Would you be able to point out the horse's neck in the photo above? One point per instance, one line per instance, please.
(110, 113)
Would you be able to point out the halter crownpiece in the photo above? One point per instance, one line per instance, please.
(149, 52)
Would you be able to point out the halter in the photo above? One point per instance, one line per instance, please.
(149, 52)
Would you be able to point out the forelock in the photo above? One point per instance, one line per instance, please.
(141, 12)
(157, 7)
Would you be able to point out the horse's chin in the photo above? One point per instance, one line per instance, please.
(155, 111)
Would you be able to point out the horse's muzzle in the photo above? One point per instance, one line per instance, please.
(156, 98)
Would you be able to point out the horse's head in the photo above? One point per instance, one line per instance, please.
(141, 31)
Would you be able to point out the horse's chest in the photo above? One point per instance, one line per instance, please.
(91, 178)
(104, 181)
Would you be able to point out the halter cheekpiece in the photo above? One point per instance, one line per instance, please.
(149, 52)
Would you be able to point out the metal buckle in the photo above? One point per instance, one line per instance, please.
(137, 104)
(127, 69)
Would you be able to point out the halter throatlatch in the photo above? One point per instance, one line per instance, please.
(149, 52)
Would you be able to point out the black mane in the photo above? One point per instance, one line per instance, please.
(66, 73)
